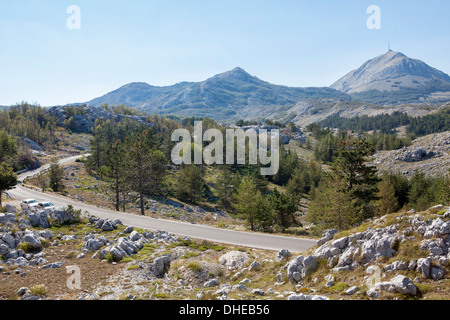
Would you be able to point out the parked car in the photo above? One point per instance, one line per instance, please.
(29, 203)
(45, 205)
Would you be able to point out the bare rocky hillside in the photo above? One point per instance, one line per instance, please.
(397, 256)
(429, 154)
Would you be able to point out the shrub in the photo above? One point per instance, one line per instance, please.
(111, 258)
(39, 290)
(25, 246)
(133, 267)
(195, 266)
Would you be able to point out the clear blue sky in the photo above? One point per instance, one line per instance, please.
(162, 42)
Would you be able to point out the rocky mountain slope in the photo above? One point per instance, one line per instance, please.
(429, 154)
(232, 94)
(397, 256)
(390, 79)
(393, 78)
(311, 111)
(85, 116)
(394, 256)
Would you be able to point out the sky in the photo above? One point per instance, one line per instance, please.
(52, 56)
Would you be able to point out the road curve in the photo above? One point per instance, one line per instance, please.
(225, 236)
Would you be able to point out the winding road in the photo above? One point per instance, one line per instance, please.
(195, 231)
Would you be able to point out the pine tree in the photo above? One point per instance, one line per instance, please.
(333, 206)
(360, 178)
(8, 147)
(8, 179)
(117, 170)
(190, 184)
(55, 174)
(387, 202)
(146, 165)
(284, 206)
(249, 204)
(225, 188)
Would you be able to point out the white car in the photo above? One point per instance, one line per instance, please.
(45, 205)
(29, 203)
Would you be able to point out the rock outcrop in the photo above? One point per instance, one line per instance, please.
(377, 248)
(84, 118)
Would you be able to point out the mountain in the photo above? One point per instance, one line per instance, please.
(230, 95)
(394, 78)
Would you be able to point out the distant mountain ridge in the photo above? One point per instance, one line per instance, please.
(393, 78)
(232, 94)
(385, 82)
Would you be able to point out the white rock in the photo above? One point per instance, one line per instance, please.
(403, 285)
(352, 290)
(234, 259)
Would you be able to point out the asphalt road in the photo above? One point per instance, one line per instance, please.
(195, 231)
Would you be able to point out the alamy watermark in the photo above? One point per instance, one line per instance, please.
(374, 20)
(73, 22)
(375, 276)
(74, 281)
(235, 147)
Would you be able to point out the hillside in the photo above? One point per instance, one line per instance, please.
(394, 78)
(397, 256)
(231, 95)
(386, 83)
(429, 155)
(312, 111)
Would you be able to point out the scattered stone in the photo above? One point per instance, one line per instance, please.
(22, 291)
(53, 265)
(161, 265)
(128, 229)
(9, 208)
(211, 283)
(437, 273)
(352, 290)
(403, 285)
(327, 236)
(234, 259)
(259, 292)
(282, 254)
(33, 240)
(254, 265)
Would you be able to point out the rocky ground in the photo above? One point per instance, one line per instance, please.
(429, 154)
(59, 254)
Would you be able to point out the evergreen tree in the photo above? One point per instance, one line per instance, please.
(55, 174)
(249, 204)
(146, 165)
(225, 188)
(325, 149)
(443, 190)
(401, 187)
(288, 161)
(334, 206)
(190, 185)
(284, 206)
(300, 181)
(360, 179)
(8, 179)
(387, 202)
(8, 147)
(419, 193)
(117, 170)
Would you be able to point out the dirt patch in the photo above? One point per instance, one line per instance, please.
(93, 271)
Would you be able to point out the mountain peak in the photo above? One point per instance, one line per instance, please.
(235, 74)
(238, 70)
(390, 71)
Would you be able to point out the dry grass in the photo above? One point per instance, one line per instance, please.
(93, 271)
